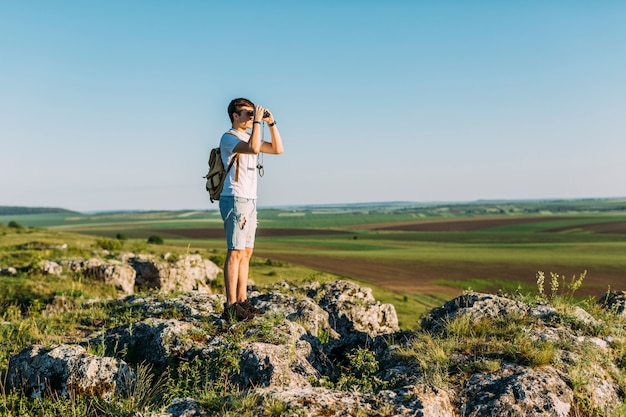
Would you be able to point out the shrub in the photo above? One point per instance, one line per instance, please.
(109, 244)
(155, 240)
(15, 225)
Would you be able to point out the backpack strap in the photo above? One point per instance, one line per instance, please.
(235, 159)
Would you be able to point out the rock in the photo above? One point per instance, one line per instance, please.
(353, 308)
(419, 400)
(615, 301)
(10, 271)
(296, 308)
(121, 276)
(154, 341)
(193, 306)
(517, 391)
(476, 305)
(187, 273)
(414, 401)
(265, 364)
(65, 369)
(185, 407)
(47, 267)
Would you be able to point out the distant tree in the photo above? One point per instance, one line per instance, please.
(155, 240)
(15, 225)
(121, 236)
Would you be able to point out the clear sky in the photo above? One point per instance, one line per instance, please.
(113, 104)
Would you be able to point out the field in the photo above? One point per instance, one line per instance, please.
(415, 256)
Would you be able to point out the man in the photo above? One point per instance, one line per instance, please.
(238, 198)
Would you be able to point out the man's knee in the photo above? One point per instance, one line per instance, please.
(239, 254)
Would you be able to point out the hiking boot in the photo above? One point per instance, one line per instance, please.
(250, 308)
(236, 312)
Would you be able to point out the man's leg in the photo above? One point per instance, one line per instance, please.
(243, 270)
(231, 274)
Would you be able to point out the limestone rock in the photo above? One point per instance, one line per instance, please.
(121, 276)
(187, 273)
(265, 364)
(185, 407)
(353, 308)
(517, 391)
(10, 271)
(48, 267)
(614, 300)
(296, 308)
(414, 401)
(66, 368)
(476, 305)
(153, 340)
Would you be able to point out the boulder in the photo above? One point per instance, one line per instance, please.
(296, 308)
(154, 341)
(192, 306)
(353, 308)
(413, 401)
(187, 273)
(10, 271)
(615, 301)
(265, 364)
(184, 407)
(121, 276)
(67, 368)
(48, 267)
(475, 305)
(517, 391)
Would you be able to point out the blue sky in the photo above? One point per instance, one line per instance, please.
(109, 105)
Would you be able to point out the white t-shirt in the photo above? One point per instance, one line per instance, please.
(246, 183)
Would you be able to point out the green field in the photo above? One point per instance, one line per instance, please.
(413, 256)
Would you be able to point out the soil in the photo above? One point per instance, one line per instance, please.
(216, 233)
(608, 227)
(451, 225)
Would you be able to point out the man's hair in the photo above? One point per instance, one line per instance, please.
(236, 105)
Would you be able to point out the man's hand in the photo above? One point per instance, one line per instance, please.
(258, 113)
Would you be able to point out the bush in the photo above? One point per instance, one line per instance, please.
(121, 236)
(15, 225)
(109, 244)
(155, 240)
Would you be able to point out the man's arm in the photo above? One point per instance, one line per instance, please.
(276, 145)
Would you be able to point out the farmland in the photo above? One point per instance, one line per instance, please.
(419, 254)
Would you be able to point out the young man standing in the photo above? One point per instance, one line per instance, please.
(238, 198)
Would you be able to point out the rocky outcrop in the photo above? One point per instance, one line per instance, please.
(296, 352)
(167, 273)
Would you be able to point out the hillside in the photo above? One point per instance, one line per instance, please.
(17, 210)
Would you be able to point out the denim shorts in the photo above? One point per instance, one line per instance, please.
(239, 215)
